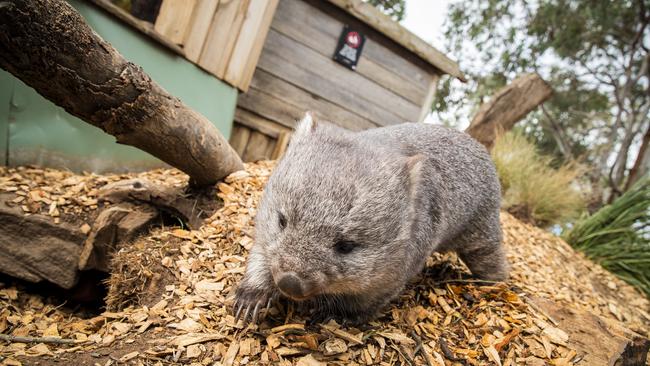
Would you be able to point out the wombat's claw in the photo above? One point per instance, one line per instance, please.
(255, 312)
(245, 313)
(238, 311)
(248, 305)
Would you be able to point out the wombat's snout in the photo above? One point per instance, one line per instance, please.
(292, 286)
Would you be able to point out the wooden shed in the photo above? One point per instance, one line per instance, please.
(253, 67)
(280, 55)
(394, 81)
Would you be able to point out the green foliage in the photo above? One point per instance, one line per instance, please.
(533, 190)
(590, 52)
(618, 236)
(393, 8)
(575, 29)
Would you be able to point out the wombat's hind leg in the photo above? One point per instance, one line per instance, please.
(486, 260)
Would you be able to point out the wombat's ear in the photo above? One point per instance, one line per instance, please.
(416, 213)
(414, 169)
(306, 126)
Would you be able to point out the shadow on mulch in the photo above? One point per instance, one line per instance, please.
(85, 300)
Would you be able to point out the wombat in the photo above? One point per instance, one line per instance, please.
(348, 218)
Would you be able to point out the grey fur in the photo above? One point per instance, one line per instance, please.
(399, 193)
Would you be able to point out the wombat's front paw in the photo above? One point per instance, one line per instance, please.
(249, 302)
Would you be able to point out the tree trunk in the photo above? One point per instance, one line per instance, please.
(617, 172)
(507, 107)
(49, 46)
(642, 163)
(558, 134)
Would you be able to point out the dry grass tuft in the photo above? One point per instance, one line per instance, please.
(533, 190)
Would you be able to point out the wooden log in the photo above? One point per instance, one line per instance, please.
(114, 225)
(601, 341)
(509, 105)
(186, 206)
(50, 47)
(33, 248)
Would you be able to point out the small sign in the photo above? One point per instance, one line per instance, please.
(348, 50)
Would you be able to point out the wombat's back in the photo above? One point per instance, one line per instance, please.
(467, 185)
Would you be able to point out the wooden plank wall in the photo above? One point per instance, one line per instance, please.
(296, 73)
(224, 37)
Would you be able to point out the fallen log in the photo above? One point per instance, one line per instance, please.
(598, 341)
(137, 203)
(509, 105)
(174, 201)
(115, 225)
(49, 46)
(35, 248)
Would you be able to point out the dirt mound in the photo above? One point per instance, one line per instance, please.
(546, 266)
(169, 302)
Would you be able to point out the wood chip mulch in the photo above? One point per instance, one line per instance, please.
(65, 196)
(169, 299)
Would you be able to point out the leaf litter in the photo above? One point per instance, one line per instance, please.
(170, 296)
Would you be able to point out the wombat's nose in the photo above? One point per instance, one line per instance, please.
(291, 285)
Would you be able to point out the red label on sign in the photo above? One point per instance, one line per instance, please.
(353, 39)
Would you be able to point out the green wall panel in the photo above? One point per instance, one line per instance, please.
(41, 133)
(6, 87)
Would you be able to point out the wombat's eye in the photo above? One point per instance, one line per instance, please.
(344, 246)
(282, 221)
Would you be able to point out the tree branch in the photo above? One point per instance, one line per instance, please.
(48, 45)
(556, 131)
(10, 338)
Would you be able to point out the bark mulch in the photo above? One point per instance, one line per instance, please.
(169, 301)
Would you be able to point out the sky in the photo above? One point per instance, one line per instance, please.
(425, 18)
